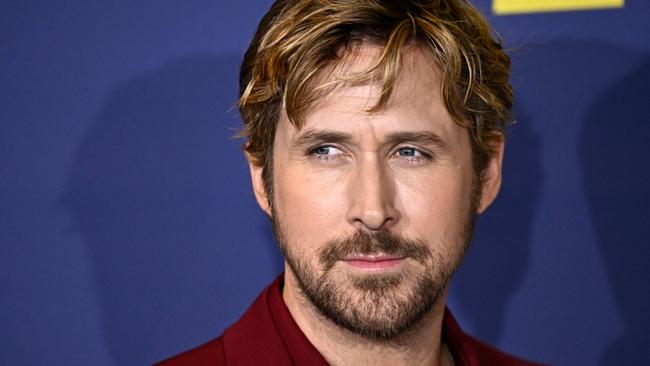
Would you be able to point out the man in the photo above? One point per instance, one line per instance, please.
(375, 134)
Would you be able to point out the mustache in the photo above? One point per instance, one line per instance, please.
(367, 243)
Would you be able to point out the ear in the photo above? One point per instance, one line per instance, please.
(258, 185)
(492, 175)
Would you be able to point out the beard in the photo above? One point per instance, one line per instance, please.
(377, 307)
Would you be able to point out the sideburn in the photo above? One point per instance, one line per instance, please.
(267, 176)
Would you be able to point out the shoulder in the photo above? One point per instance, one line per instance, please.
(251, 337)
(211, 353)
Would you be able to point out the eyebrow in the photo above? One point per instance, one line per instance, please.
(310, 137)
(418, 137)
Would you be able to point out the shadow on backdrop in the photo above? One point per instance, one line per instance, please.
(614, 153)
(499, 255)
(567, 74)
(160, 193)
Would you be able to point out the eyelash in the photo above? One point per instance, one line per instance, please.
(411, 159)
(414, 159)
(324, 157)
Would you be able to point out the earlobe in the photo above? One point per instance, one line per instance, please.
(258, 186)
(492, 176)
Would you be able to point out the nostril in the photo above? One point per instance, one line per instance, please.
(375, 219)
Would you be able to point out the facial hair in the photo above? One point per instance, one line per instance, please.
(377, 307)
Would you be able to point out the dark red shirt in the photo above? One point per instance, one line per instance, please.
(267, 335)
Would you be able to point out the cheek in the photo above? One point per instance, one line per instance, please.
(435, 206)
(309, 206)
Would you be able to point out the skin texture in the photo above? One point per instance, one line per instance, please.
(405, 170)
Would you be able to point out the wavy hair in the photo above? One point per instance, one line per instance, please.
(297, 39)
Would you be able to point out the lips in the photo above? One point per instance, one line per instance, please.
(373, 262)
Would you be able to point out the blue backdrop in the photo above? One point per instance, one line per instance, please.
(129, 232)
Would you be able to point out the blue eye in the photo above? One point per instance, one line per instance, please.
(325, 152)
(321, 150)
(408, 152)
(412, 154)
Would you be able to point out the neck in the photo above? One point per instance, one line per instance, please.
(339, 346)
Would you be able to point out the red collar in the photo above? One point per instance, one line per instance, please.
(267, 334)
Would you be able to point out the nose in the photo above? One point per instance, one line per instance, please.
(372, 196)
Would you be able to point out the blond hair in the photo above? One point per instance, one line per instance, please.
(297, 39)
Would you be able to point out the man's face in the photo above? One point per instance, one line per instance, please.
(374, 211)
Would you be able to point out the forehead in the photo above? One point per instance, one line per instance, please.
(415, 101)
